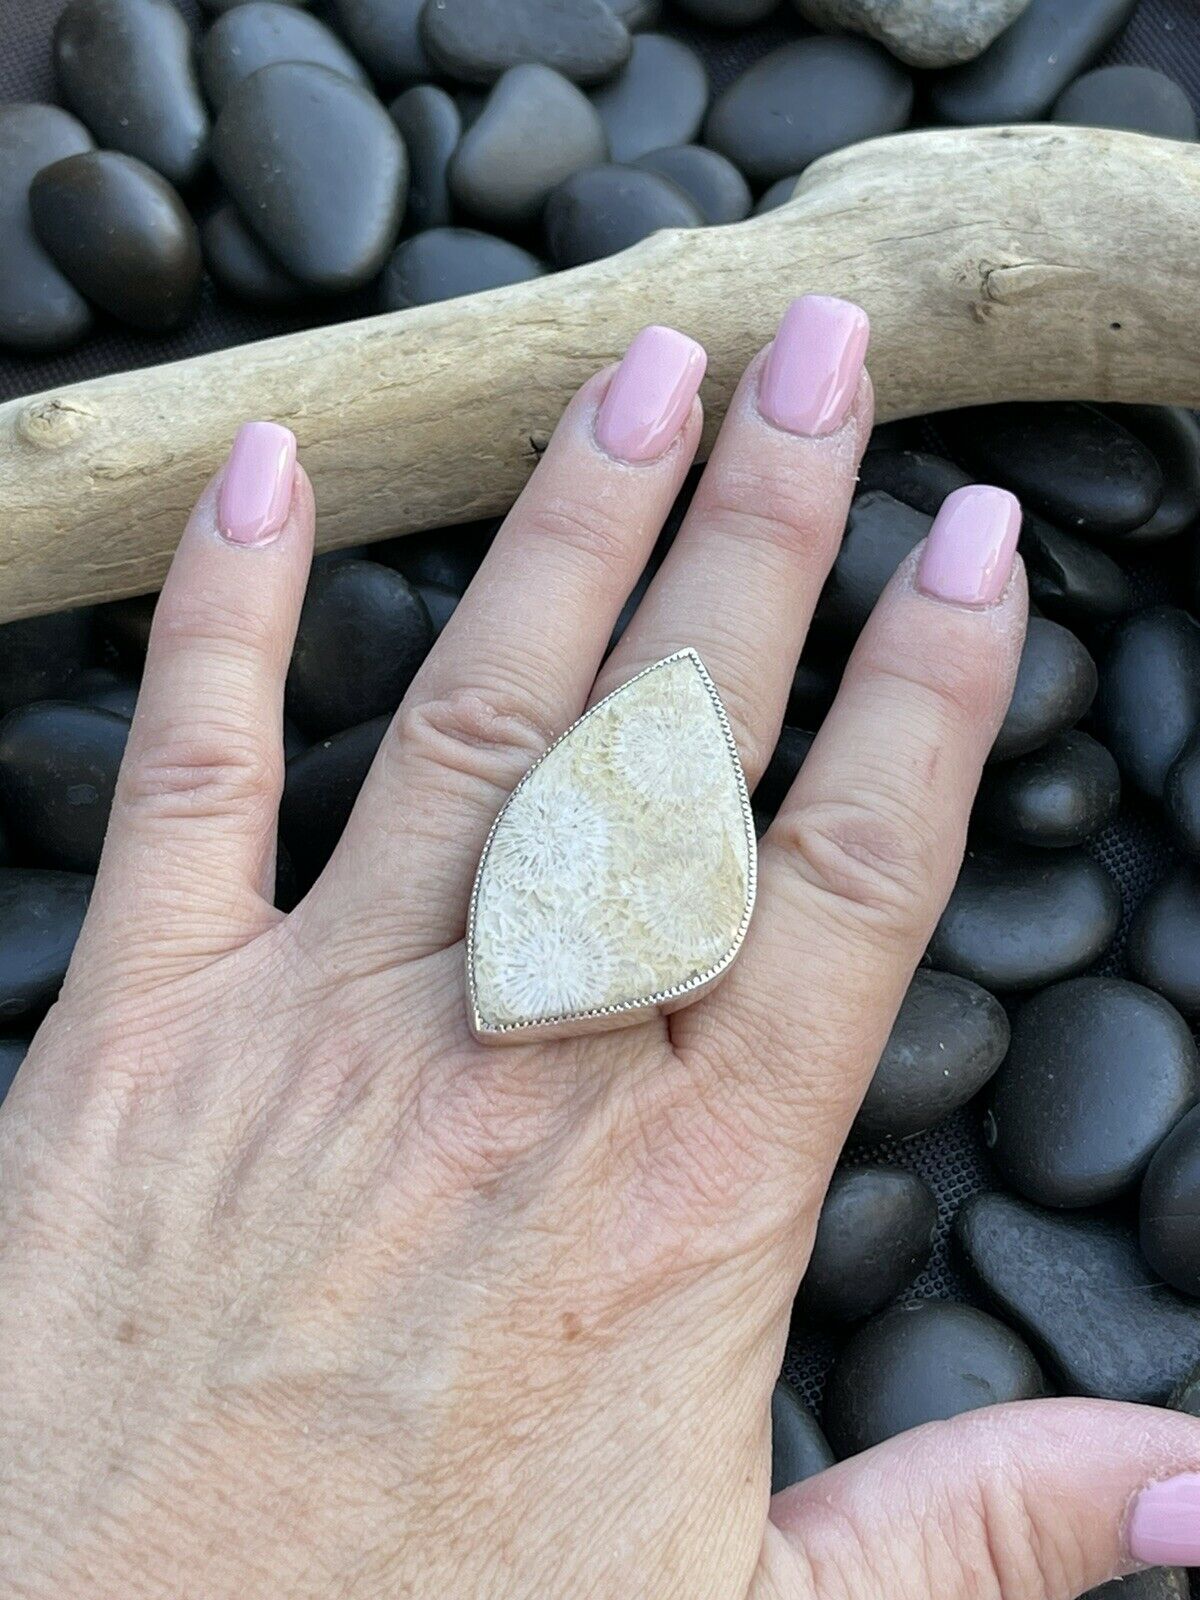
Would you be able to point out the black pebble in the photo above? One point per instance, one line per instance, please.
(1059, 795)
(261, 32)
(319, 792)
(430, 125)
(874, 1235)
(317, 169)
(41, 656)
(1149, 699)
(1181, 796)
(41, 913)
(477, 40)
(240, 264)
(804, 100)
(443, 263)
(789, 754)
(386, 36)
(58, 770)
(1018, 919)
(1164, 939)
(1080, 1290)
(439, 602)
(1056, 684)
(714, 183)
(1073, 464)
(815, 684)
(1019, 76)
(125, 68)
(449, 557)
(948, 1039)
(799, 1449)
(1170, 1207)
(12, 1054)
(729, 13)
(1172, 434)
(606, 209)
(124, 627)
(657, 99)
(122, 235)
(363, 633)
(779, 193)
(40, 309)
(881, 532)
(1185, 1396)
(106, 689)
(1154, 1583)
(1126, 96)
(923, 1362)
(1098, 1073)
(535, 129)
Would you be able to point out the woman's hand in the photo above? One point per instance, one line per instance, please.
(303, 1293)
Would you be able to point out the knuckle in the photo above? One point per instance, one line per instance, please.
(875, 860)
(490, 736)
(777, 511)
(598, 535)
(204, 773)
(212, 625)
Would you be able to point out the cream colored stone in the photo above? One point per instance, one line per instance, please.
(619, 875)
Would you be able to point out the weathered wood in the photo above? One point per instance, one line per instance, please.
(997, 264)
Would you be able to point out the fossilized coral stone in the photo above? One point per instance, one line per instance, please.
(619, 876)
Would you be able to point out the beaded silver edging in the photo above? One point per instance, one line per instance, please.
(612, 1014)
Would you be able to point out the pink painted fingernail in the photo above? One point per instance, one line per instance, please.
(650, 395)
(812, 369)
(1164, 1526)
(969, 553)
(256, 491)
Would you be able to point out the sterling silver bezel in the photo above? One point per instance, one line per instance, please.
(642, 1007)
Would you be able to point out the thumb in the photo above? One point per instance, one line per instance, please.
(1041, 1500)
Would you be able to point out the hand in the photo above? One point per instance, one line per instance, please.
(303, 1293)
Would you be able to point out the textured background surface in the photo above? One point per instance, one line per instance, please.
(1163, 33)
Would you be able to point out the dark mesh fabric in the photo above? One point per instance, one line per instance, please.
(1162, 33)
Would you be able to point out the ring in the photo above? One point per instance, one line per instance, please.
(618, 880)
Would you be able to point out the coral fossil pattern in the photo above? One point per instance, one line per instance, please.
(621, 868)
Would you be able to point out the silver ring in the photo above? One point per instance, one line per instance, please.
(618, 880)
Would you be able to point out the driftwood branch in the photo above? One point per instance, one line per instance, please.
(997, 264)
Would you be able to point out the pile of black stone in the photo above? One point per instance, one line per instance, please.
(269, 145)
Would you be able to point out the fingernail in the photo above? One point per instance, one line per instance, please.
(968, 555)
(1164, 1526)
(650, 395)
(256, 491)
(812, 369)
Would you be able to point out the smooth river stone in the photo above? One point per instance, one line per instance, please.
(1059, 795)
(1018, 919)
(1164, 939)
(1072, 463)
(1170, 1207)
(320, 787)
(363, 633)
(240, 264)
(476, 41)
(125, 68)
(1098, 1073)
(443, 263)
(779, 193)
(1149, 699)
(1181, 797)
(804, 100)
(788, 756)
(1154, 1583)
(1068, 577)
(874, 1235)
(657, 99)
(729, 13)
(385, 35)
(122, 235)
(1132, 97)
(606, 209)
(948, 1039)
(1172, 434)
(713, 182)
(430, 125)
(881, 532)
(1019, 77)
(925, 33)
(1081, 1292)
(449, 557)
(620, 872)
(109, 690)
(799, 1449)
(40, 657)
(39, 308)
(317, 169)
(536, 128)
(1055, 686)
(260, 33)
(41, 913)
(13, 1053)
(923, 1362)
(58, 772)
